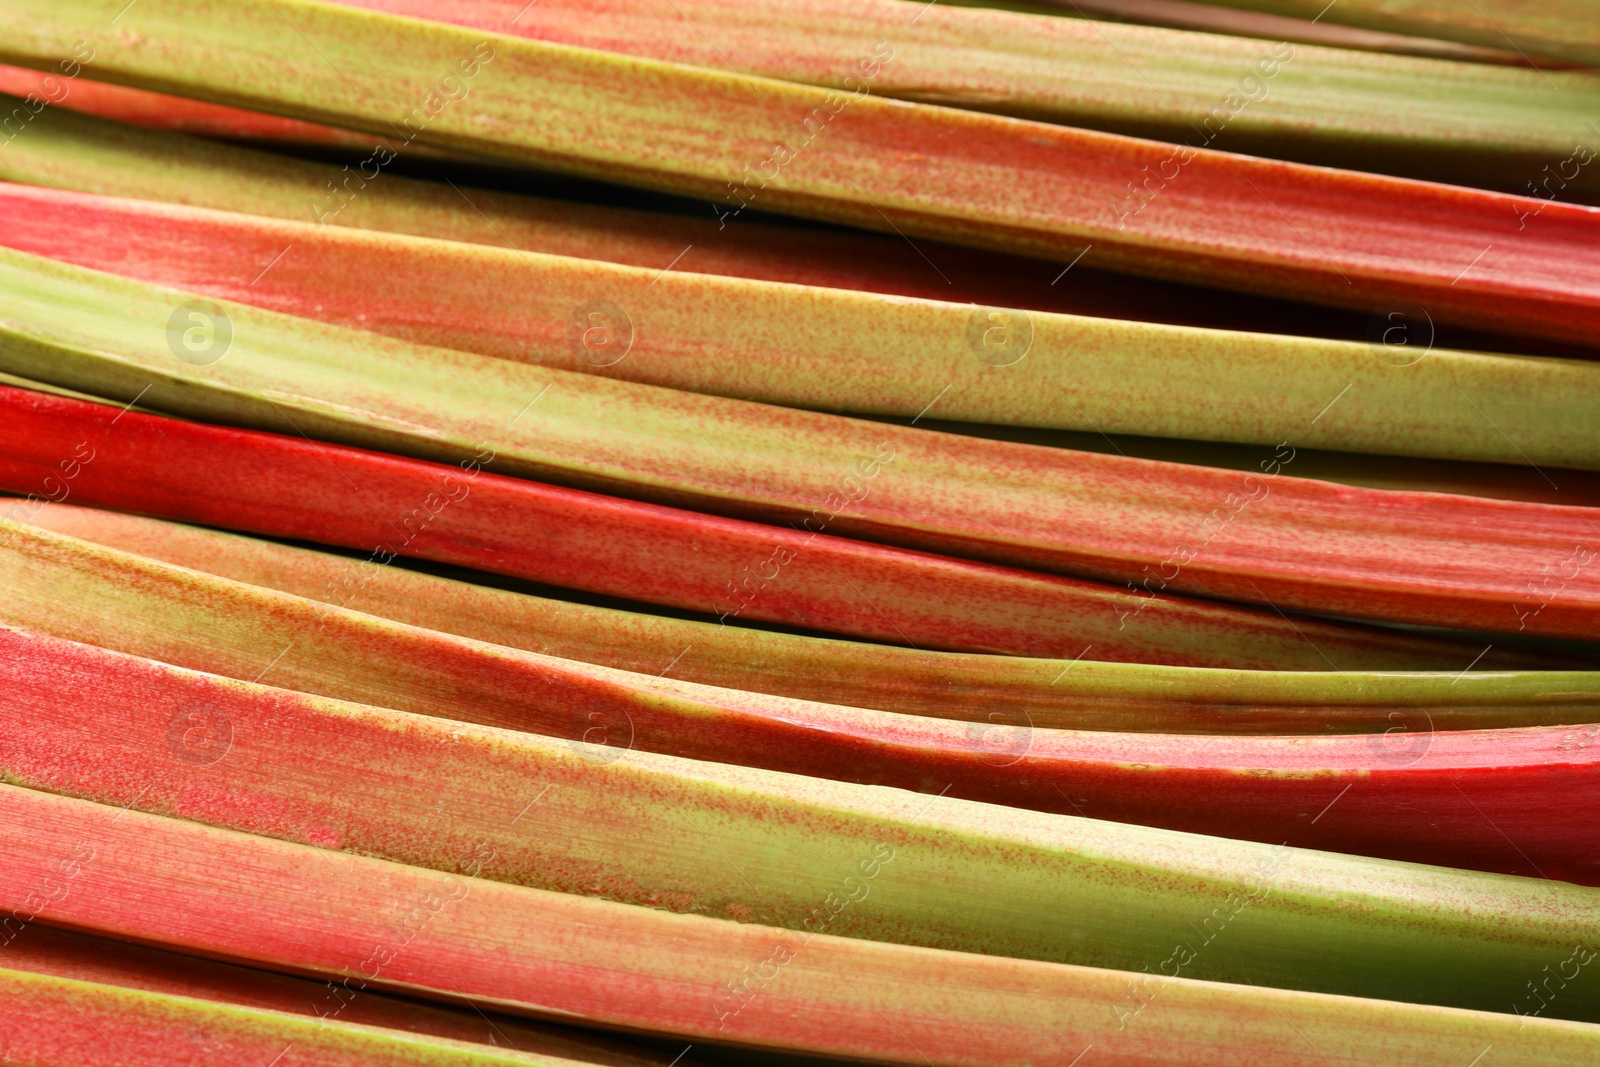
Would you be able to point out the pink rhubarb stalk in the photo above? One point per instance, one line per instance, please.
(55, 1022)
(175, 113)
(63, 150)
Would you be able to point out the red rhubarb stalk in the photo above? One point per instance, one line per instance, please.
(55, 1022)
(294, 907)
(160, 111)
(1238, 222)
(1003, 691)
(388, 506)
(63, 150)
(1410, 789)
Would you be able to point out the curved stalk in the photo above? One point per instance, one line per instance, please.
(123, 104)
(78, 957)
(385, 506)
(1409, 789)
(57, 1022)
(999, 691)
(64, 150)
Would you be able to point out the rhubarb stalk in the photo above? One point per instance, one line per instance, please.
(293, 906)
(385, 506)
(802, 347)
(1414, 799)
(1418, 558)
(1563, 29)
(1424, 118)
(1195, 15)
(122, 104)
(63, 150)
(1001, 691)
(77, 957)
(59, 1021)
(1334, 237)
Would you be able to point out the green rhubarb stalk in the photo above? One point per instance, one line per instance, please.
(1144, 207)
(64, 150)
(1195, 15)
(1164, 526)
(1563, 29)
(832, 350)
(763, 847)
(290, 906)
(1424, 118)
(1497, 481)
(1049, 694)
(66, 1022)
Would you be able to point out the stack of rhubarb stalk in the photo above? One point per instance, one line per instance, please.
(739, 532)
